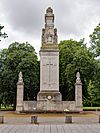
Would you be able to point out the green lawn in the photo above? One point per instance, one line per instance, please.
(7, 108)
(91, 108)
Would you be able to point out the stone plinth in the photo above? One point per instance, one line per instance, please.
(49, 75)
(48, 105)
(19, 104)
(49, 70)
(20, 91)
(78, 91)
(78, 94)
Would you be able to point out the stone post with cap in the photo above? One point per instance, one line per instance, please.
(20, 90)
(78, 91)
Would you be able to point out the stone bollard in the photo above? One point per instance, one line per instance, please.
(99, 118)
(34, 119)
(68, 119)
(2, 119)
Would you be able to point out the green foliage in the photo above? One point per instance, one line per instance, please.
(92, 93)
(19, 57)
(74, 57)
(4, 35)
(91, 108)
(96, 84)
(95, 41)
(95, 48)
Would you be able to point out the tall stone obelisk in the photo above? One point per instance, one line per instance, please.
(49, 61)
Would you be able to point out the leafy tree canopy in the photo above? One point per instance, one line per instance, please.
(19, 57)
(95, 41)
(74, 57)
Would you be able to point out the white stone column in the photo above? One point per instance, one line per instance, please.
(78, 91)
(20, 91)
(49, 61)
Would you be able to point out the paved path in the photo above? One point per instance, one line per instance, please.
(50, 128)
(50, 120)
(50, 125)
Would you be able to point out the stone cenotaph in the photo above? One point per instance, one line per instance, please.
(49, 61)
(49, 98)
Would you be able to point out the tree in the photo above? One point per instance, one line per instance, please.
(74, 57)
(95, 49)
(4, 35)
(92, 94)
(95, 41)
(19, 57)
(96, 84)
(2, 58)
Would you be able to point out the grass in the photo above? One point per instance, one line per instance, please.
(91, 108)
(8, 108)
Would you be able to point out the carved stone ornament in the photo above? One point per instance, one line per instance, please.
(20, 79)
(49, 10)
(78, 80)
(49, 97)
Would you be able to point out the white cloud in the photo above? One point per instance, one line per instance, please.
(24, 19)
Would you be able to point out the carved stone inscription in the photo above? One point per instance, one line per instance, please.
(50, 79)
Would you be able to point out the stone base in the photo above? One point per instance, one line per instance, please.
(49, 95)
(48, 105)
(19, 108)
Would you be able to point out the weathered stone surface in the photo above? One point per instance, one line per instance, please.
(29, 105)
(50, 106)
(89, 119)
(49, 33)
(50, 128)
(49, 97)
(68, 119)
(20, 90)
(1, 119)
(49, 71)
(78, 91)
(49, 61)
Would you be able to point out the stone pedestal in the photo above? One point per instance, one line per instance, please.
(49, 75)
(20, 91)
(78, 91)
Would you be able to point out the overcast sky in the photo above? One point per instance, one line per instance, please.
(24, 19)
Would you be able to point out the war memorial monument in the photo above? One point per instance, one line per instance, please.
(49, 98)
